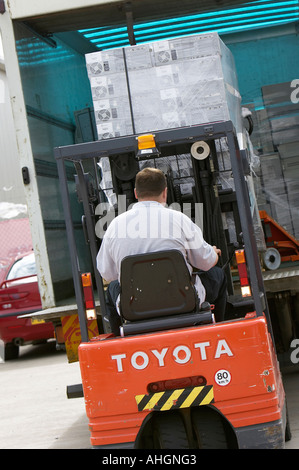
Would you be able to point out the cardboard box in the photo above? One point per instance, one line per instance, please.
(166, 84)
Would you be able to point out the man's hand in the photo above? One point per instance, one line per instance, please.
(218, 253)
(217, 250)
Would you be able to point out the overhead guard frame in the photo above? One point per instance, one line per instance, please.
(78, 153)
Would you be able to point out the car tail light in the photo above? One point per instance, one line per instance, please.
(19, 295)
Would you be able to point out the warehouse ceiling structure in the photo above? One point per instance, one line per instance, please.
(118, 24)
(235, 18)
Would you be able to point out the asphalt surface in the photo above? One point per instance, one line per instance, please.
(35, 412)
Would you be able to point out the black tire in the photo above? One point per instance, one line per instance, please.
(209, 429)
(11, 351)
(169, 431)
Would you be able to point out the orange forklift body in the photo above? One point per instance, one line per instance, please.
(236, 364)
(130, 383)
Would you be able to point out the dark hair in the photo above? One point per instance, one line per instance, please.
(150, 182)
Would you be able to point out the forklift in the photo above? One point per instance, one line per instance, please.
(173, 378)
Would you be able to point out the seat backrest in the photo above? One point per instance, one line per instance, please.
(155, 284)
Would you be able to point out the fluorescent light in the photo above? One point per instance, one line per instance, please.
(252, 15)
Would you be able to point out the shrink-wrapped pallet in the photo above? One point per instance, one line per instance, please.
(165, 84)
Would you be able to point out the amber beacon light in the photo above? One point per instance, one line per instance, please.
(147, 146)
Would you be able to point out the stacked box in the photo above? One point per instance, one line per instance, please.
(106, 87)
(274, 190)
(105, 62)
(282, 112)
(173, 83)
(112, 117)
(293, 200)
(290, 166)
(106, 71)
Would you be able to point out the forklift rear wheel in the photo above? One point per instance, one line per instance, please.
(209, 429)
(169, 431)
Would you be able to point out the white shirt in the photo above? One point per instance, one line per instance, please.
(149, 227)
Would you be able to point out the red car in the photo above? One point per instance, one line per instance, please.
(19, 294)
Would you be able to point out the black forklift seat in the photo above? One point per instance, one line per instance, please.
(157, 293)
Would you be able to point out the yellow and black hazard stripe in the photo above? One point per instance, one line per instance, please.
(173, 399)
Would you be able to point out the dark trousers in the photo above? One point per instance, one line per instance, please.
(214, 282)
(113, 292)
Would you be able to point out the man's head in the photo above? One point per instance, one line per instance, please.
(151, 185)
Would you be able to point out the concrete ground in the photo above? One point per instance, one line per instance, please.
(36, 414)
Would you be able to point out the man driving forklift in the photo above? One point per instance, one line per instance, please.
(149, 226)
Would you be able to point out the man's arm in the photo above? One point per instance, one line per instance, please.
(218, 253)
(200, 254)
(105, 263)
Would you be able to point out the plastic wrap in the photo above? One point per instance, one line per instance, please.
(112, 117)
(106, 181)
(165, 84)
(226, 181)
(169, 84)
(104, 63)
(278, 191)
(184, 84)
(276, 142)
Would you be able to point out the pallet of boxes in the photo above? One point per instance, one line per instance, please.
(162, 85)
(167, 84)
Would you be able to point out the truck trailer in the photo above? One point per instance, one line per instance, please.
(52, 105)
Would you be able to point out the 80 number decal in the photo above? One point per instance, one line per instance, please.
(222, 377)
